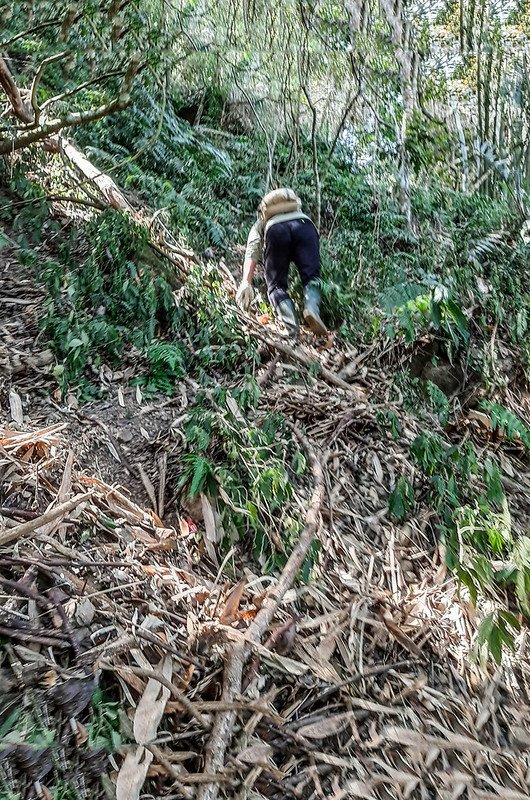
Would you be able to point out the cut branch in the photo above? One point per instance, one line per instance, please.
(49, 516)
(310, 363)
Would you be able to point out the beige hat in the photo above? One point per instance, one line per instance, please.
(279, 201)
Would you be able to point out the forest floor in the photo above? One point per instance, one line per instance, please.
(125, 623)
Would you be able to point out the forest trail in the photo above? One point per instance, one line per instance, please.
(351, 679)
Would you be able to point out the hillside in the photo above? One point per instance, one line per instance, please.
(234, 564)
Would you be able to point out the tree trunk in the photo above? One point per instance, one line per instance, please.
(400, 31)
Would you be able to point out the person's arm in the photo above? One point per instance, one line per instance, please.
(245, 293)
(249, 267)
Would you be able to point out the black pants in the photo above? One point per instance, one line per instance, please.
(296, 241)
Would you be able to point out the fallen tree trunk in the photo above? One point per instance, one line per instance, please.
(160, 240)
(104, 183)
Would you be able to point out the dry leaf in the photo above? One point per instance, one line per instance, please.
(184, 527)
(210, 538)
(422, 742)
(84, 611)
(15, 405)
(283, 662)
(232, 602)
(378, 468)
(138, 684)
(329, 342)
(360, 790)
(156, 771)
(256, 754)
(334, 761)
(82, 734)
(133, 773)
(152, 703)
(234, 408)
(283, 638)
(482, 418)
(326, 727)
(402, 637)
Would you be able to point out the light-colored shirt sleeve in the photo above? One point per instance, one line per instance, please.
(254, 251)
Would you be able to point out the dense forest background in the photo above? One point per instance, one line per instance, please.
(137, 139)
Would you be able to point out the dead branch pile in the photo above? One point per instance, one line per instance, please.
(357, 684)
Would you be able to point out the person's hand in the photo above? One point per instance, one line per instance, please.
(244, 295)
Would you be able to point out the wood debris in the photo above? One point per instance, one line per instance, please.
(363, 686)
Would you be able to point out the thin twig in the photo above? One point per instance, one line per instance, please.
(50, 516)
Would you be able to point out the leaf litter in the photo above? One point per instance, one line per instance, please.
(120, 630)
(373, 691)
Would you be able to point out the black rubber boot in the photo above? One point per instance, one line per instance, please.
(312, 308)
(286, 313)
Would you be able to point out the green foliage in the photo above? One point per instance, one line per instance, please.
(497, 630)
(475, 523)
(102, 301)
(104, 726)
(167, 363)
(507, 423)
(521, 574)
(110, 300)
(439, 402)
(82, 60)
(401, 499)
(389, 419)
(244, 467)
(410, 312)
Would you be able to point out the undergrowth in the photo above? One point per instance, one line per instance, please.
(246, 465)
(466, 492)
(459, 278)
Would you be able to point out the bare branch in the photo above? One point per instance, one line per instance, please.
(48, 129)
(118, 73)
(55, 23)
(37, 79)
(73, 119)
(12, 91)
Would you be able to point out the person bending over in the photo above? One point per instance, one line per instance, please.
(283, 234)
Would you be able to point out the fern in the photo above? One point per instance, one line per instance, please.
(399, 295)
(166, 356)
(489, 246)
(401, 499)
(521, 560)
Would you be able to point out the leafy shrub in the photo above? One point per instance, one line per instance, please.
(245, 467)
(508, 423)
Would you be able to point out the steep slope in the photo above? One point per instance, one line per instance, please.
(249, 570)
